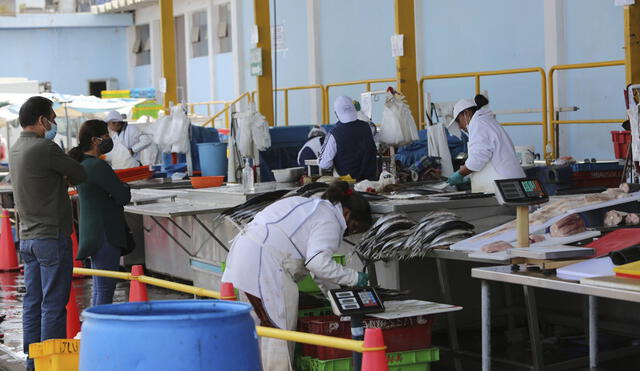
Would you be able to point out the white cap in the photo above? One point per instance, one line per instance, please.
(114, 116)
(345, 110)
(460, 106)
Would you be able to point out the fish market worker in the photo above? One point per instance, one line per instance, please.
(349, 148)
(283, 243)
(129, 136)
(491, 152)
(312, 147)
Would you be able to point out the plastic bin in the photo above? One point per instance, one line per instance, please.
(309, 285)
(414, 360)
(56, 354)
(621, 141)
(400, 335)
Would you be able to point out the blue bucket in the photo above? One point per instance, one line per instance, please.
(169, 335)
(213, 158)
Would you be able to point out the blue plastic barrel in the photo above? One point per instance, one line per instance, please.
(169, 335)
(213, 158)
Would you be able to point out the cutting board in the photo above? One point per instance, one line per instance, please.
(613, 282)
(587, 269)
(628, 270)
(615, 240)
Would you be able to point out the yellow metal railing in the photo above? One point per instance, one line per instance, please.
(209, 104)
(366, 83)
(225, 110)
(298, 337)
(286, 98)
(477, 76)
(552, 120)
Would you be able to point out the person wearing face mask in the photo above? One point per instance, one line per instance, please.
(491, 153)
(284, 242)
(40, 175)
(102, 197)
(127, 135)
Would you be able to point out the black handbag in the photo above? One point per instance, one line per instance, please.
(130, 242)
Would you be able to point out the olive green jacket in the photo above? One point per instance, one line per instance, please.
(102, 197)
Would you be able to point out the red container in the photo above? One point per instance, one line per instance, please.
(608, 179)
(403, 334)
(621, 143)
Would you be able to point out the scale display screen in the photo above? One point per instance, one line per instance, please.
(355, 301)
(522, 191)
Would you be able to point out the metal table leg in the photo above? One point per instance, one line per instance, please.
(593, 332)
(485, 305)
(534, 329)
(443, 277)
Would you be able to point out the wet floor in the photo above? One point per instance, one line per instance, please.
(12, 291)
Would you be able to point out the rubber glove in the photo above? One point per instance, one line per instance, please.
(363, 279)
(456, 179)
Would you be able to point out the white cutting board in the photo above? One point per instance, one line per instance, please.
(476, 242)
(589, 268)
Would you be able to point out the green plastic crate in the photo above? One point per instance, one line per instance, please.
(413, 360)
(303, 363)
(309, 285)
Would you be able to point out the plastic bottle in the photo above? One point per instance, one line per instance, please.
(247, 176)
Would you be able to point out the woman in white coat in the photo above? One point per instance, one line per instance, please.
(491, 154)
(129, 136)
(283, 243)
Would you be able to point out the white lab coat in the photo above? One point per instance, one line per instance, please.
(276, 249)
(491, 152)
(131, 137)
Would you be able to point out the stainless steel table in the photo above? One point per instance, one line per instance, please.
(531, 280)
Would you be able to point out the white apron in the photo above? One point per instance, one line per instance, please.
(483, 181)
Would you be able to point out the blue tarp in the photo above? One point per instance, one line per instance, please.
(409, 154)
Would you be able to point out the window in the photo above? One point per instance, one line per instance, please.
(142, 45)
(199, 38)
(223, 31)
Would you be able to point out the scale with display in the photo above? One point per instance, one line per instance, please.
(355, 302)
(521, 193)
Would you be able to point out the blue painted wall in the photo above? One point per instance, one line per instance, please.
(67, 57)
(469, 36)
(594, 32)
(142, 77)
(199, 82)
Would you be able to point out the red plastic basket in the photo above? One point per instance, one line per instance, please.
(621, 141)
(403, 334)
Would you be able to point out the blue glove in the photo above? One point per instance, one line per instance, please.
(456, 178)
(363, 279)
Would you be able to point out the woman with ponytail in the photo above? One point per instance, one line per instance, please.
(102, 197)
(286, 241)
(491, 152)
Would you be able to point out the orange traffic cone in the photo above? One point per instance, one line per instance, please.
(375, 359)
(137, 290)
(227, 292)
(73, 317)
(8, 256)
(74, 243)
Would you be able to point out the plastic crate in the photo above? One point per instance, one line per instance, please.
(621, 141)
(309, 285)
(315, 312)
(596, 167)
(56, 354)
(402, 334)
(107, 94)
(414, 360)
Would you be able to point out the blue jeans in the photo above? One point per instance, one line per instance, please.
(107, 257)
(48, 268)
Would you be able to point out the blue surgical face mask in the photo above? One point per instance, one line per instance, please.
(51, 133)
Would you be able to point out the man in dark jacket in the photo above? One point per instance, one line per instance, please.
(349, 148)
(40, 175)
